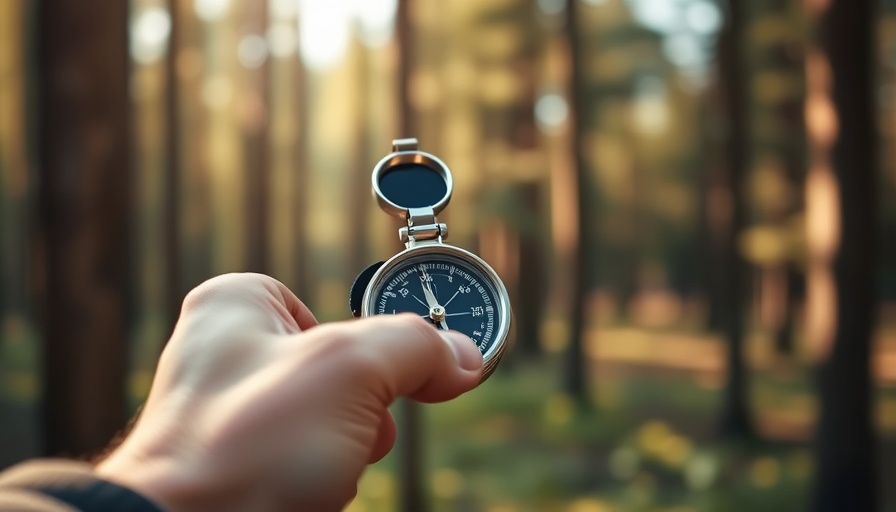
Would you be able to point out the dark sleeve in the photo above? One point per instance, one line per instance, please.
(65, 486)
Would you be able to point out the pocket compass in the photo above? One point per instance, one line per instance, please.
(449, 286)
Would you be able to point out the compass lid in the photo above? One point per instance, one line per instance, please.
(411, 179)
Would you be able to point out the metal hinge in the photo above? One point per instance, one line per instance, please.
(422, 225)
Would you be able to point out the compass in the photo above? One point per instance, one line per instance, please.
(450, 287)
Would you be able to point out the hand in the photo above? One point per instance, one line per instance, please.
(256, 407)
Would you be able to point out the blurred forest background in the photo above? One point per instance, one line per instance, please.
(691, 202)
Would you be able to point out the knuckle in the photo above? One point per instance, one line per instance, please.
(222, 287)
(210, 288)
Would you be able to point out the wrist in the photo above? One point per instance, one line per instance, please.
(74, 485)
(143, 477)
(162, 480)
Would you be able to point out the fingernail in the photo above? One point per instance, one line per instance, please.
(465, 352)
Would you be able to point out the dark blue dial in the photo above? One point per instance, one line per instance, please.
(446, 290)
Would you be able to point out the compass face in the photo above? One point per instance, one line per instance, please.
(446, 290)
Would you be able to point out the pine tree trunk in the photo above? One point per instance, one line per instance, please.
(735, 415)
(305, 281)
(846, 466)
(360, 172)
(195, 176)
(257, 150)
(576, 368)
(171, 220)
(84, 208)
(529, 307)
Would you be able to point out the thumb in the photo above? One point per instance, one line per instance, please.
(403, 355)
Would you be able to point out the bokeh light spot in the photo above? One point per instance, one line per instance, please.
(376, 19)
(703, 17)
(324, 31)
(765, 472)
(447, 483)
(149, 35)
(284, 9)
(588, 505)
(559, 409)
(701, 471)
(377, 484)
(282, 39)
(252, 51)
(551, 111)
(211, 10)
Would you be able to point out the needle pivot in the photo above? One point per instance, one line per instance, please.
(437, 313)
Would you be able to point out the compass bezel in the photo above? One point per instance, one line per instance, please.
(499, 343)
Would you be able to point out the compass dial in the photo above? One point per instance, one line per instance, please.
(450, 292)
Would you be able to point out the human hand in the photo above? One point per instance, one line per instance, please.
(256, 407)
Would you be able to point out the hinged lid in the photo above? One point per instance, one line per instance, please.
(411, 179)
(414, 186)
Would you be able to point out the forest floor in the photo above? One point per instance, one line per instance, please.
(646, 440)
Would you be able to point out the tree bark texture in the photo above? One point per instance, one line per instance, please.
(576, 367)
(846, 474)
(83, 242)
(257, 150)
(171, 220)
(735, 418)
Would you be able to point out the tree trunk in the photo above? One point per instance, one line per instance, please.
(14, 178)
(171, 220)
(304, 281)
(529, 307)
(714, 211)
(195, 177)
(257, 149)
(412, 497)
(531, 272)
(576, 367)
(846, 474)
(84, 207)
(735, 415)
(360, 179)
